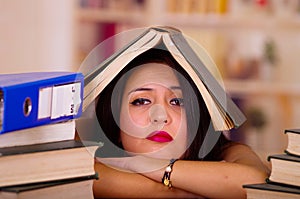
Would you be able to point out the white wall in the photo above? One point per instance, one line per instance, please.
(36, 35)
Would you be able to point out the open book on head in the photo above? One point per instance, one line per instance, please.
(224, 113)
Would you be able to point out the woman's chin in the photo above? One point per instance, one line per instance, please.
(160, 154)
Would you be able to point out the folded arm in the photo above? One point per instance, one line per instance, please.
(114, 183)
(189, 178)
(218, 179)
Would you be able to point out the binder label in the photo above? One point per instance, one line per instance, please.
(59, 101)
(45, 99)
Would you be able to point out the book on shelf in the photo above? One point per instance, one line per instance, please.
(46, 162)
(39, 98)
(285, 169)
(197, 6)
(224, 113)
(293, 146)
(80, 187)
(274, 191)
(39, 135)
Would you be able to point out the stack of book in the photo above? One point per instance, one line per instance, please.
(284, 180)
(39, 157)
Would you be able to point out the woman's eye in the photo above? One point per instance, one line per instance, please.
(140, 101)
(177, 102)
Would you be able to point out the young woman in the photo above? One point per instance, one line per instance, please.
(152, 114)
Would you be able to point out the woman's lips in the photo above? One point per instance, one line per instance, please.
(160, 136)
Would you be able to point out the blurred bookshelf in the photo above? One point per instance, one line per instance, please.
(253, 42)
(34, 38)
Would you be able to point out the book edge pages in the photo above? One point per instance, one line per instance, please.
(293, 146)
(94, 76)
(39, 135)
(94, 88)
(35, 170)
(285, 176)
(218, 120)
(214, 88)
(83, 189)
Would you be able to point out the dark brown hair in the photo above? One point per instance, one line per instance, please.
(197, 113)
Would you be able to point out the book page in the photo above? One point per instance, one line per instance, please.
(94, 88)
(233, 114)
(216, 115)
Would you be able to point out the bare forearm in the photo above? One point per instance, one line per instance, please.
(215, 179)
(117, 184)
(218, 179)
(211, 179)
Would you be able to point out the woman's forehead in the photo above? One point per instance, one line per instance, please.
(153, 73)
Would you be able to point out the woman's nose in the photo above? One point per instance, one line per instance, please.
(158, 114)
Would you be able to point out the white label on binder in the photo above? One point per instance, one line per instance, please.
(45, 101)
(66, 100)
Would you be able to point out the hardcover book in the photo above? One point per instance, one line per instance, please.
(267, 191)
(80, 187)
(284, 179)
(39, 135)
(224, 113)
(285, 169)
(293, 146)
(46, 162)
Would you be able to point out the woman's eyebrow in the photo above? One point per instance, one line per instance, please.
(175, 88)
(140, 89)
(150, 89)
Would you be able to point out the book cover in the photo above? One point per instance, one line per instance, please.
(39, 98)
(80, 187)
(266, 190)
(284, 157)
(297, 131)
(35, 148)
(39, 185)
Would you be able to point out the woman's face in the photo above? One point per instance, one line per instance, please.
(153, 119)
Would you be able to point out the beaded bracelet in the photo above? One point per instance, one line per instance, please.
(166, 179)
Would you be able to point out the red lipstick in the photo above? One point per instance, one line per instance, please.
(160, 136)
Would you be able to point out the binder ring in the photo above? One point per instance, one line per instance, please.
(27, 106)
